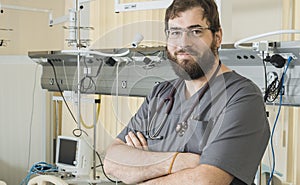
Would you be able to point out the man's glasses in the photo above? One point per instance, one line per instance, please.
(176, 33)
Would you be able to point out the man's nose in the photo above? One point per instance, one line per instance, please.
(185, 40)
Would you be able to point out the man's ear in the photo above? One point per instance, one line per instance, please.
(218, 36)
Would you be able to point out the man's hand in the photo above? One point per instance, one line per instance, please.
(136, 141)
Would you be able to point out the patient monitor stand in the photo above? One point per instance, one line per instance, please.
(95, 101)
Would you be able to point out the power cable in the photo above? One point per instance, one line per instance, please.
(64, 99)
(31, 116)
(277, 117)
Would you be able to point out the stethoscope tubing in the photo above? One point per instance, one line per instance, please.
(169, 99)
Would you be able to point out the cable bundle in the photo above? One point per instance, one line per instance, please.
(39, 168)
(281, 89)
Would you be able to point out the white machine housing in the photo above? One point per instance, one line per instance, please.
(73, 155)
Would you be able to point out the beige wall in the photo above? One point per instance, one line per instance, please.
(296, 176)
(30, 29)
(23, 112)
(118, 29)
(22, 117)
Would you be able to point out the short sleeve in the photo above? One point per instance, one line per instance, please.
(240, 134)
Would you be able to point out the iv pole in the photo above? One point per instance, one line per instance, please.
(78, 46)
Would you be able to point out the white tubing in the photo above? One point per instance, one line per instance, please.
(86, 52)
(279, 32)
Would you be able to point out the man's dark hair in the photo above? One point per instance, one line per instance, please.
(210, 11)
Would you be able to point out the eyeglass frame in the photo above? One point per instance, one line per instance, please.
(189, 31)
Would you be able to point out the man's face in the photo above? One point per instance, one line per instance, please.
(191, 46)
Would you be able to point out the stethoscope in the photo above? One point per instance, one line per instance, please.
(182, 126)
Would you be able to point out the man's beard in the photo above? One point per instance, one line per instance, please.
(194, 69)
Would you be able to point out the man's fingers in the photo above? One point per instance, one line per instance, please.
(128, 141)
(143, 141)
(136, 142)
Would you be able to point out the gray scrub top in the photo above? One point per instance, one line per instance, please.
(228, 126)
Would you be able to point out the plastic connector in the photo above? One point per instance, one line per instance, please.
(261, 46)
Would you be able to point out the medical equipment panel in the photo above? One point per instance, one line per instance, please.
(136, 73)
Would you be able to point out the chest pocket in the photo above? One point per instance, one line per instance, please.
(197, 135)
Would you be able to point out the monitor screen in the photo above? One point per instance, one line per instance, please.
(74, 155)
(67, 152)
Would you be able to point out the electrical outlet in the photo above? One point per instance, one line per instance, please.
(87, 70)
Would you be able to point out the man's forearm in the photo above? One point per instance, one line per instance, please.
(132, 165)
(202, 175)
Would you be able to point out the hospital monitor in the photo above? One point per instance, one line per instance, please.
(144, 5)
(73, 155)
